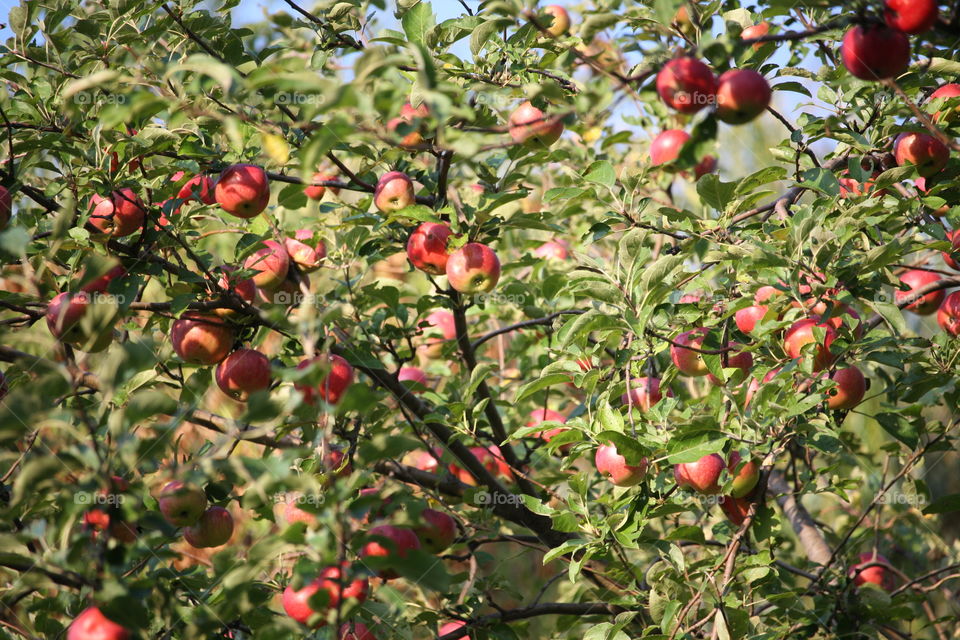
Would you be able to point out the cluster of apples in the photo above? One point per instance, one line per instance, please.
(875, 50)
(185, 506)
(473, 268)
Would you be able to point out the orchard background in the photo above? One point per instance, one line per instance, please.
(313, 327)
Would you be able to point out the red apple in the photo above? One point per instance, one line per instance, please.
(271, 263)
(440, 329)
(951, 257)
(736, 509)
(337, 380)
(614, 467)
(64, 313)
(425, 461)
(409, 115)
(6, 207)
(91, 624)
(119, 215)
(923, 150)
(451, 627)
(394, 191)
(292, 512)
(701, 476)
(304, 251)
(244, 288)
(199, 188)
(916, 279)
(316, 191)
(561, 20)
(200, 338)
(742, 95)
(538, 416)
(754, 385)
(746, 475)
(666, 147)
(910, 16)
(490, 458)
(689, 362)
(850, 389)
(756, 31)
(355, 631)
(801, 333)
(100, 285)
(243, 190)
(427, 247)
(338, 587)
(556, 249)
(243, 372)
(415, 377)
(687, 85)
(388, 541)
(644, 393)
(437, 532)
(473, 268)
(877, 575)
(948, 315)
(875, 52)
(181, 504)
(741, 360)
(951, 90)
(213, 529)
(748, 317)
(530, 125)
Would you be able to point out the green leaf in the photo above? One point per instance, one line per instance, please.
(418, 21)
(714, 192)
(822, 180)
(601, 172)
(946, 504)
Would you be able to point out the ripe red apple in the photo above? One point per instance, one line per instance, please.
(450, 627)
(91, 624)
(388, 541)
(923, 150)
(199, 188)
(181, 504)
(701, 476)
(875, 52)
(742, 360)
(245, 288)
(490, 458)
(304, 251)
(394, 191)
(614, 467)
(687, 361)
(473, 268)
(555, 249)
(315, 192)
(951, 90)
(746, 475)
(736, 509)
(756, 31)
(877, 575)
(665, 148)
(529, 124)
(100, 285)
(644, 393)
(561, 20)
(687, 85)
(338, 587)
(917, 279)
(748, 317)
(427, 247)
(243, 372)
(425, 461)
(337, 380)
(948, 315)
(910, 16)
(243, 190)
(409, 115)
(953, 255)
(441, 329)
(213, 529)
(801, 333)
(6, 207)
(742, 95)
(271, 263)
(64, 313)
(355, 631)
(415, 377)
(538, 416)
(850, 389)
(119, 215)
(200, 338)
(292, 512)
(437, 532)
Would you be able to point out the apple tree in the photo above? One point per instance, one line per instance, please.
(371, 320)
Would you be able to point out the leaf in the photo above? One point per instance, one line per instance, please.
(482, 33)
(90, 82)
(690, 448)
(821, 180)
(714, 192)
(946, 504)
(418, 21)
(601, 172)
(531, 388)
